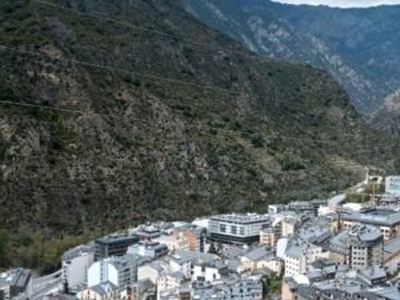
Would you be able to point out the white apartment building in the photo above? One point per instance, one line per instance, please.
(120, 271)
(75, 265)
(237, 228)
(182, 264)
(210, 271)
(300, 254)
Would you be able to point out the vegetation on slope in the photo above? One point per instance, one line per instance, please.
(156, 117)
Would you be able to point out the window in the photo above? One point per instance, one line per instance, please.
(222, 227)
(233, 229)
(241, 230)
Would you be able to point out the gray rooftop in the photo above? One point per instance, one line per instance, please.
(117, 238)
(258, 253)
(78, 251)
(241, 218)
(103, 288)
(392, 246)
(373, 216)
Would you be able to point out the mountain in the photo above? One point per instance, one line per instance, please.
(357, 46)
(117, 112)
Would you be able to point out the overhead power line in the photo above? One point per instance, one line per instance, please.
(65, 110)
(116, 69)
(173, 37)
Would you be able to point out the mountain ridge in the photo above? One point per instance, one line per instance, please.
(352, 44)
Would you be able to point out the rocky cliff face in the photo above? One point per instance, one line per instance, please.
(357, 46)
(116, 112)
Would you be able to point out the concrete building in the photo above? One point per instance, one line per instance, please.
(233, 289)
(295, 259)
(114, 245)
(209, 270)
(152, 271)
(173, 242)
(195, 237)
(143, 289)
(342, 288)
(75, 264)
(151, 249)
(391, 256)
(120, 271)
(386, 219)
(258, 258)
(101, 291)
(359, 248)
(15, 282)
(168, 282)
(237, 228)
(288, 226)
(268, 237)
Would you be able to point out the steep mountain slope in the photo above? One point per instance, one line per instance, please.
(357, 46)
(108, 122)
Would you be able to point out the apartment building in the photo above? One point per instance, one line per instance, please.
(386, 219)
(113, 245)
(237, 228)
(359, 248)
(119, 271)
(75, 264)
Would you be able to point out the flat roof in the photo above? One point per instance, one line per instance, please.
(241, 218)
(374, 216)
(117, 238)
(392, 246)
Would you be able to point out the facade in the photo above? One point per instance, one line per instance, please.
(237, 228)
(391, 256)
(15, 282)
(242, 289)
(101, 291)
(173, 242)
(141, 290)
(114, 245)
(300, 254)
(119, 271)
(288, 226)
(268, 237)
(387, 220)
(359, 248)
(151, 249)
(152, 271)
(209, 271)
(75, 265)
(194, 236)
(168, 283)
(257, 258)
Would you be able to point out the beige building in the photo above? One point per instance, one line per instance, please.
(288, 226)
(151, 271)
(174, 242)
(260, 258)
(268, 237)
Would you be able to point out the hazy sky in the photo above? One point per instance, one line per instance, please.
(342, 3)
